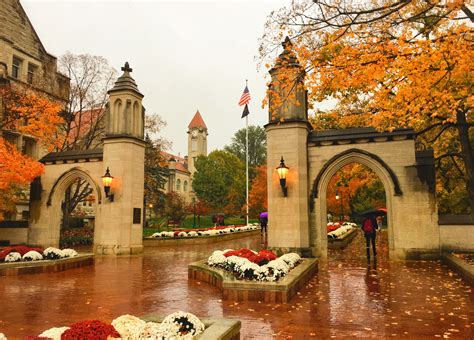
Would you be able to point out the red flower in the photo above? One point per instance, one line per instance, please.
(18, 249)
(263, 257)
(91, 330)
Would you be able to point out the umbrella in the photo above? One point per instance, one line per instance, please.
(264, 214)
(375, 212)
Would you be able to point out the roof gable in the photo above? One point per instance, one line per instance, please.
(16, 27)
(197, 121)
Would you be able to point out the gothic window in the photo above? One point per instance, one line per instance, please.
(194, 145)
(31, 73)
(16, 67)
(178, 185)
(185, 186)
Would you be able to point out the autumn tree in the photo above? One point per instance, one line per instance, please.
(91, 77)
(258, 196)
(354, 189)
(388, 64)
(175, 207)
(257, 147)
(219, 181)
(24, 112)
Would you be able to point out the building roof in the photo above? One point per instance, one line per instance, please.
(168, 155)
(82, 123)
(73, 155)
(197, 121)
(182, 167)
(181, 163)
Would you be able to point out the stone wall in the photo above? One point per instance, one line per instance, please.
(457, 237)
(18, 38)
(14, 235)
(412, 215)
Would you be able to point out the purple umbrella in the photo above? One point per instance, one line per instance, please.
(264, 214)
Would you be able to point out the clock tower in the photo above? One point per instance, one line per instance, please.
(197, 141)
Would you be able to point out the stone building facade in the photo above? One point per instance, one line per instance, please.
(24, 62)
(181, 169)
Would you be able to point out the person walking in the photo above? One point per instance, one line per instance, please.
(263, 223)
(369, 226)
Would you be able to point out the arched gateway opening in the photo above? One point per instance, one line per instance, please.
(322, 191)
(74, 220)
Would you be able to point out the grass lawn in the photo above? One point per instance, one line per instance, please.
(160, 224)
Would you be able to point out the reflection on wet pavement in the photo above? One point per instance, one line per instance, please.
(348, 298)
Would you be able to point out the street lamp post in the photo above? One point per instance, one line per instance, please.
(194, 212)
(339, 198)
(150, 207)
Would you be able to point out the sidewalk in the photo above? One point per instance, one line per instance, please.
(346, 299)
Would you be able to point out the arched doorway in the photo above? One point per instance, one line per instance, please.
(74, 201)
(320, 194)
(78, 216)
(355, 193)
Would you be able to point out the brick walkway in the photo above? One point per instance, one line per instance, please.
(412, 300)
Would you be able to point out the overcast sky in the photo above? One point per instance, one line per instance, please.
(185, 55)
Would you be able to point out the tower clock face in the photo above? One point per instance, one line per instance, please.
(194, 133)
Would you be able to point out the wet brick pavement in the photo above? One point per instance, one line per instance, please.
(411, 300)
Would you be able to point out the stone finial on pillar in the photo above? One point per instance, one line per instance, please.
(125, 114)
(287, 95)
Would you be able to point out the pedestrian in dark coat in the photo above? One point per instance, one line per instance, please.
(369, 227)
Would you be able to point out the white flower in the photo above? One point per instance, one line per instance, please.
(52, 253)
(68, 252)
(13, 257)
(216, 258)
(151, 330)
(128, 326)
(174, 324)
(291, 259)
(32, 256)
(54, 333)
(246, 269)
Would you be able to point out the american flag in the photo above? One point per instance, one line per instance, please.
(245, 99)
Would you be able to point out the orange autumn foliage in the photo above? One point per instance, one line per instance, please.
(30, 114)
(258, 196)
(346, 183)
(387, 64)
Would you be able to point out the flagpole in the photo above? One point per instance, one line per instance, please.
(247, 162)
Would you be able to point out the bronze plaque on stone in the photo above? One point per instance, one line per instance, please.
(137, 215)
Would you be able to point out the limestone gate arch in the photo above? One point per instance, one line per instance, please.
(119, 224)
(298, 222)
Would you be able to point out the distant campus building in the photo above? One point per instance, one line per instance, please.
(24, 62)
(182, 169)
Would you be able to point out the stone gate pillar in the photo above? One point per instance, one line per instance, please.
(287, 133)
(124, 152)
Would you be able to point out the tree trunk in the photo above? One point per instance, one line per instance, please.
(467, 155)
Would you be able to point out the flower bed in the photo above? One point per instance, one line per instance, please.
(179, 325)
(341, 231)
(220, 230)
(246, 264)
(23, 253)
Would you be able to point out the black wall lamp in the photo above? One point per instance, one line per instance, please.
(282, 171)
(107, 181)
